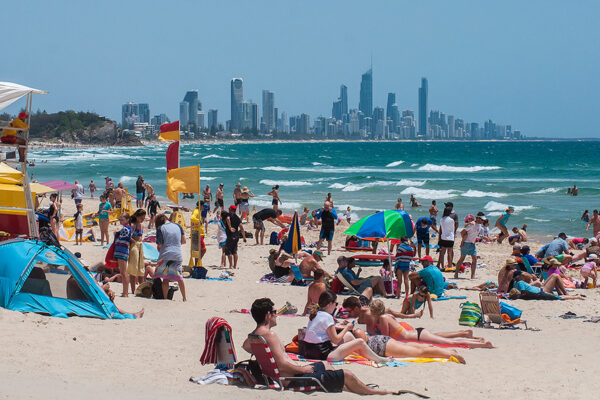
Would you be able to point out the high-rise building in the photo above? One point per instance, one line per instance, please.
(344, 99)
(268, 105)
(160, 119)
(213, 122)
(201, 120)
(366, 93)
(303, 124)
(237, 97)
(285, 127)
(423, 93)
(144, 112)
(191, 97)
(394, 118)
(451, 127)
(378, 115)
(130, 114)
(336, 110)
(391, 100)
(184, 110)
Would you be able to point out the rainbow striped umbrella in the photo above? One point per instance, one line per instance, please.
(389, 224)
(293, 244)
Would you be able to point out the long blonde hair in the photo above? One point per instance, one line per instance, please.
(377, 308)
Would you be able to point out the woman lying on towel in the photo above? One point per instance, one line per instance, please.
(322, 341)
(554, 282)
(380, 323)
(516, 294)
(413, 302)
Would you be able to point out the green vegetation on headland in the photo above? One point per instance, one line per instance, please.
(76, 127)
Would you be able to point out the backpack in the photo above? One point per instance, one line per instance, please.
(470, 314)
(274, 240)
(157, 292)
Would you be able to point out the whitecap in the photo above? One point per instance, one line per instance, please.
(316, 163)
(429, 193)
(537, 219)
(548, 190)
(336, 186)
(218, 156)
(208, 178)
(267, 203)
(477, 193)
(409, 182)
(343, 207)
(414, 165)
(161, 168)
(448, 168)
(127, 179)
(394, 164)
(496, 206)
(270, 182)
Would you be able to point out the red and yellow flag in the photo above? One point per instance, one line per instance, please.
(169, 131)
(183, 180)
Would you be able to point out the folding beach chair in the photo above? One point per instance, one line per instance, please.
(490, 307)
(349, 287)
(264, 357)
(298, 275)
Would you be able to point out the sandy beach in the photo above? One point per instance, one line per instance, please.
(154, 357)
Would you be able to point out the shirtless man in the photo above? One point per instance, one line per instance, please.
(219, 203)
(310, 263)
(314, 290)
(265, 316)
(595, 224)
(149, 193)
(119, 192)
(433, 212)
(399, 205)
(237, 196)
(509, 272)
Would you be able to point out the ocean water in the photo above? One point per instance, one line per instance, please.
(369, 176)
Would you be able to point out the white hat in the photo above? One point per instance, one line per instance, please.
(592, 256)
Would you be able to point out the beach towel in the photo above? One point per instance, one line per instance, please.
(440, 298)
(397, 362)
(150, 252)
(246, 311)
(219, 343)
(270, 278)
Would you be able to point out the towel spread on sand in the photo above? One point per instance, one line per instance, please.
(398, 362)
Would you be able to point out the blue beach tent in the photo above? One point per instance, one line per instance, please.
(36, 277)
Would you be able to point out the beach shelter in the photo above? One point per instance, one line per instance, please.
(36, 277)
(384, 225)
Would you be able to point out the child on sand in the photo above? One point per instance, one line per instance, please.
(79, 225)
(590, 270)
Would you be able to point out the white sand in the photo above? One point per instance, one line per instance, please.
(153, 357)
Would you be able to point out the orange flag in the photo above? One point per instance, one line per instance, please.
(169, 131)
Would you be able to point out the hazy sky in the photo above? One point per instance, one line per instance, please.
(533, 64)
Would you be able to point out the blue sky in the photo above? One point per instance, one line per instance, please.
(533, 64)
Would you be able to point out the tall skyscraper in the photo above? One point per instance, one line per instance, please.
(344, 99)
(184, 110)
(129, 115)
(423, 93)
(391, 100)
(366, 93)
(303, 124)
(237, 97)
(268, 104)
(213, 122)
(191, 97)
(144, 112)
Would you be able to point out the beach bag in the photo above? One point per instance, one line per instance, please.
(273, 239)
(199, 273)
(512, 311)
(470, 314)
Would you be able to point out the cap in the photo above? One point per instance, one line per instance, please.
(592, 256)
(220, 184)
(232, 207)
(483, 218)
(318, 253)
(23, 115)
(469, 218)
(426, 258)
(562, 235)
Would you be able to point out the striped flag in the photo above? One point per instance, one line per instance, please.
(169, 131)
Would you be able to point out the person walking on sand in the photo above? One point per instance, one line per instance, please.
(169, 238)
(153, 207)
(501, 223)
(467, 245)
(234, 230)
(422, 227)
(119, 193)
(276, 200)
(328, 218)
(122, 242)
(207, 195)
(237, 192)
(446, 238)
(244, 207)
(78, 192)
(92, 187)
(140, 192)
(149, 193)
(219, 199)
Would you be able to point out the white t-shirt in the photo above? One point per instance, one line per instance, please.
(79, 191)
(79, 221)
(472, 232)
(447, 225)
(316, 331)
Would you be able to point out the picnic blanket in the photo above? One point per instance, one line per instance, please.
(270, 278)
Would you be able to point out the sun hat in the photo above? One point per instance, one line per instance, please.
(592, 256)
(511, 261)
(245, 189)
(469, 218)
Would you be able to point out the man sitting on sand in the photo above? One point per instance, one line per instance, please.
(314, 290)
(509, 272)
(259, 218)
(559, 249)
(265, 316)
(519, 235)
(310, 263)
(430, 275)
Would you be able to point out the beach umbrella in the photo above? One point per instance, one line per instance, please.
(293, 244)
(384, 225)
(389, 224)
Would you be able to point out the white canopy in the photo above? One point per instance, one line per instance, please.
(11, 92)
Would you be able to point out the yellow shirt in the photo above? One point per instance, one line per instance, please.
(197, 222)
(16, 123)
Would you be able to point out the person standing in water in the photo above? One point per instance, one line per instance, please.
(92, 188)
(276, 200)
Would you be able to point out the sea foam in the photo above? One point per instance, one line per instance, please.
(477, 193)
(270, 182)
(394, 164)
(429, 193)
(218, 156)
(496, 206)
(448, 168)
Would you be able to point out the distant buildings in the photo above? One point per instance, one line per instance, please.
(423, 93)
(190, 122)
(132, 113)
(237, 97)
(365, 104)
(213, 120)
(269, 117)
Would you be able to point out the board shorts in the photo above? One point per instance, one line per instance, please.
(244, 207)
(363, 286)
(258, 224)
(423, 240)
(231, 246)
(169, 270)
(220, 203)
(117, 203)
(378, 344)
(275, 202)
(332, 380)
(139, 196)
(12, 139)
(77, 201)
(448, 244)
(468, 249)
(433, 219)
(316, 351)
(326, 234)
(401, 267)
(79, 231)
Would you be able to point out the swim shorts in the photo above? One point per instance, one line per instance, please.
(423, 240)
(326, 234)
(258, 224)
(332, 379)
(275, 202)
(139, 196)
(468, 249)
(9, 139)
(220, 203)
(446, 243)
(169, 270)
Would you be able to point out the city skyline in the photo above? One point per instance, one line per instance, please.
(503, 61)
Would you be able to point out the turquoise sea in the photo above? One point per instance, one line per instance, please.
(369, 176)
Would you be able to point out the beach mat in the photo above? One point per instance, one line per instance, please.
(398, 362)
(448, 298)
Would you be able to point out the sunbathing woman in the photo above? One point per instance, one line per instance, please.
(412, 303)
(483, 287)
(515, 294)
(385, 324)
(322, 342)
